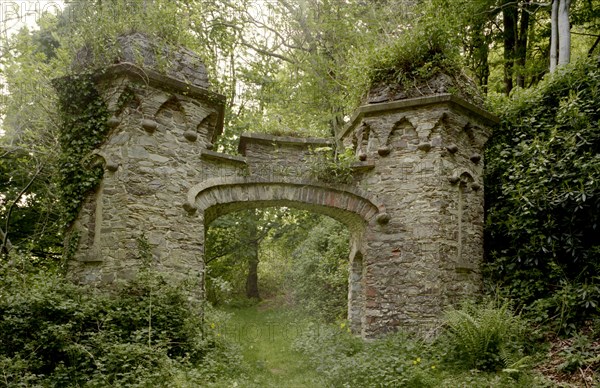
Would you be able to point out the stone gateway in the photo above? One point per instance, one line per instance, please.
(414, 206)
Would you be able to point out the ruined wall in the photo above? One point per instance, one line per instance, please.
(427, 170)
(158, 129)
(414, 207)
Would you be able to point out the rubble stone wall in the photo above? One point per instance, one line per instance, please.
(414, 207)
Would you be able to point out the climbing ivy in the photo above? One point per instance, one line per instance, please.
(83, 116)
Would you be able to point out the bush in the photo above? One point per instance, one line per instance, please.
(479, 346)
(543, 195)
(318, 276)
(57, 334)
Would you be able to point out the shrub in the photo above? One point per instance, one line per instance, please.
(480, 346)
(543, 195)
(57, 334)
(329, 167)
(346, 361)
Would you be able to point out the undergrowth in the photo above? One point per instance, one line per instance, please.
(478, 346)
(145, 332)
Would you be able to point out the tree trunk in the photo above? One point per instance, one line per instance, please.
(6, 246)
(509, 16)
(564, 33)
(252, 279)
(521, 47)
(251, 245)
(480, 52)
(554, 36)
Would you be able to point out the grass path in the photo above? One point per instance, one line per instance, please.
(265, 334)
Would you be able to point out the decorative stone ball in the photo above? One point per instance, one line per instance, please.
(362, 156)
(113, 122)
(190, 135)
(383, 218)
(424, 146)
(452, 148)
(149, 125)
(112, 166)
(384, 151)
(475, 158)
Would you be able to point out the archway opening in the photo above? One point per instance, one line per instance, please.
(281, 256)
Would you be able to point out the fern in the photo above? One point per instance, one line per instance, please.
(485, 337)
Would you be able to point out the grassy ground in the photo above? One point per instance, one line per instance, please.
(265, 334)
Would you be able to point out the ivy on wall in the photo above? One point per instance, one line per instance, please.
(83, 116)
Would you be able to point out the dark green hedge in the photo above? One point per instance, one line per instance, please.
(543, 196)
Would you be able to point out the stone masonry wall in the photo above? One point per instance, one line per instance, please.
(414, 208)
(427, 171)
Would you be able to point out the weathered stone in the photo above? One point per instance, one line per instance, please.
(417, 240)
(452, 148)
(191, 135)
(149, 125)
(158, 158)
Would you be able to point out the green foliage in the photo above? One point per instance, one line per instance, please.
(543, 196)
(329, 167)
(417, 54)
(29, 212)
(318, 276)
(83, 114)
(56, 334)
(479, 346)
(232, 246)
(581, 353)
(485, 337)
(95, 25)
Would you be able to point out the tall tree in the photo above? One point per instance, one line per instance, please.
(560, 41)
(29, 215)
(516, 17)
(233, 241)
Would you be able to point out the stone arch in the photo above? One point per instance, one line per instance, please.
(356, 209)
(207, 129)
(128, 100)
(401, 135)
(360, 141)
(217, 197)
(356, 289)
(172, 115)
